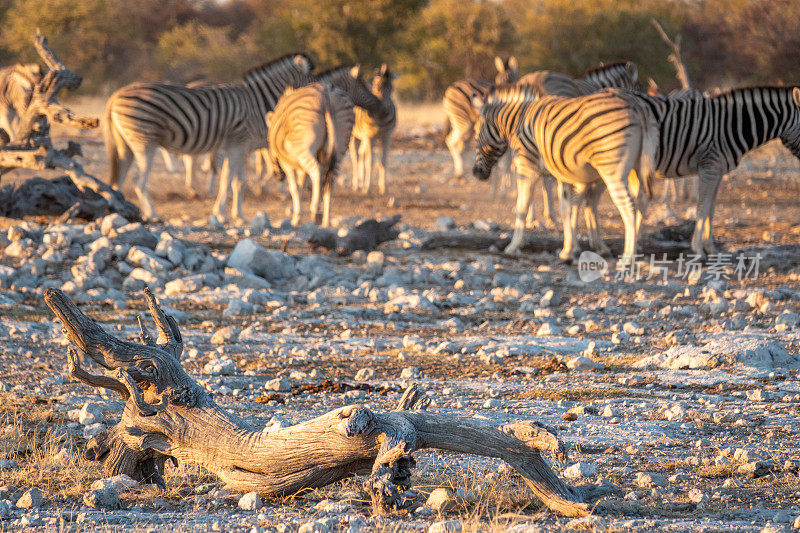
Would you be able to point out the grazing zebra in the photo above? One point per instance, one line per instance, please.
(226, 118)
(709, 136)
(17, 83)
(582, 140)
(462, 116)
(372, 126)
(309, 132)
(544, 83)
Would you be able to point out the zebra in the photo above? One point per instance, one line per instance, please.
(709, 136)
(544, 83)
(580, 140)
(17, 84)
(370, 126)
(225, 118)
(309, 132)
(462, 116)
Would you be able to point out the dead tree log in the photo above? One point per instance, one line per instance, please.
(670, 240)
(168, 416)
(365, 236)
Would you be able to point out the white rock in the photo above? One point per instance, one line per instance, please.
(120, 483)
(548, 328)
(549, 299)
(112, 221)
(224, 366)
(788, 318)
(697, 496)
(225, 335)
(31, 499)
(278, 385)
(648, 480)
(718, 306)
(105, 498)
(90, 413)
(269, 264)
(492, 403)
(237, 306)
(632, 328)
(446, 526)
(444, 224)
(5, 508)
(250, 502)
(441, 500)
(410, 372)
(365, 374)
(579, 470)
(584, 363)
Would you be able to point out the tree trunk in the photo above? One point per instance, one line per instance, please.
(168, 416)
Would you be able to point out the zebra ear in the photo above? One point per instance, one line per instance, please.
(355, 71)
(268, 117)
(302, 62)
(498, 64)
(796, 96)
(512, 63)
(384, 69)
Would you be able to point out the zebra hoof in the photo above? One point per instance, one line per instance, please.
(512, 252)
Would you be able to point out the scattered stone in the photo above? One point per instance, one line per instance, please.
(441, 500)
(582, 364)
(697, 496)
(365, 374)
(444, 224)
(120, 483)
(30, 499)
(649, 480)
(445, 526)
(225, 335)
(250, 502)
(278, 385)
(268, 264)
(580, 470)
(105, 498)
(91, 413)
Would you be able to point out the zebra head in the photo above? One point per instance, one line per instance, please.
(791, 136)
(491, 143)
(346, 78)
(382, 85)
(507, 71)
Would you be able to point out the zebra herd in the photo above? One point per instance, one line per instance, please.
(600, 130)
(604, 130)
(231, 121)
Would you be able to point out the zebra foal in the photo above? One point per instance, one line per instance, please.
(309, 132)
(17, 83)
(196, 120)
(606, 136)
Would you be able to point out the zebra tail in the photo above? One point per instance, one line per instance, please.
(330, 130)
(111, 147)
(647, 158)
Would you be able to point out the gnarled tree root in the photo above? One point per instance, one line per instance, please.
(167, 415)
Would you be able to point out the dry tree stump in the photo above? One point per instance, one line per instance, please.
(168, 416)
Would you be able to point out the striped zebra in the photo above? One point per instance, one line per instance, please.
(462, 116)
(548, 83)
(709, 136)
(17, 84)
(371, 127)
(227, 118)
(309, 132)
(580, 141)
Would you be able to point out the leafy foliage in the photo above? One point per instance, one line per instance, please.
(430, 42)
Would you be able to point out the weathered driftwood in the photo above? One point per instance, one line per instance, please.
(671, 240)
(675, 56)
(366, 236)
(168, 416)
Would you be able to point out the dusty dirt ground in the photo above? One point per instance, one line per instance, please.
(687, 406)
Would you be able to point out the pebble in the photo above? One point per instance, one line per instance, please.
(30, 499)
(90, 413)
(697, 496)
(250, 502)
(441, 500)
(104, 498)
(648, 480)
(580, 470)
(365, 374)
(278, 385)
(492, 403)
(582, 364)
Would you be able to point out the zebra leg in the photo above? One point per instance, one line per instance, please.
(385, 142)
(524, 189)
(239, 171)
(188, 163)
(211, 166)
(126, 158)
(365, 153)
(571, 201)
(222, 194)
(355, 162)
(547, 196)
(616, 183)
(593, 194)
(455, 144)
(703, 239)
(144, 160)
(294, 192)
(169, 162)
(313, 171)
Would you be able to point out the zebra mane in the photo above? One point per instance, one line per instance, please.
(334, 71)
(283, 62)
(512, 92)
(616, 65)
(761, 88)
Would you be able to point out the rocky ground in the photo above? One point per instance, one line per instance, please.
(680, 393)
